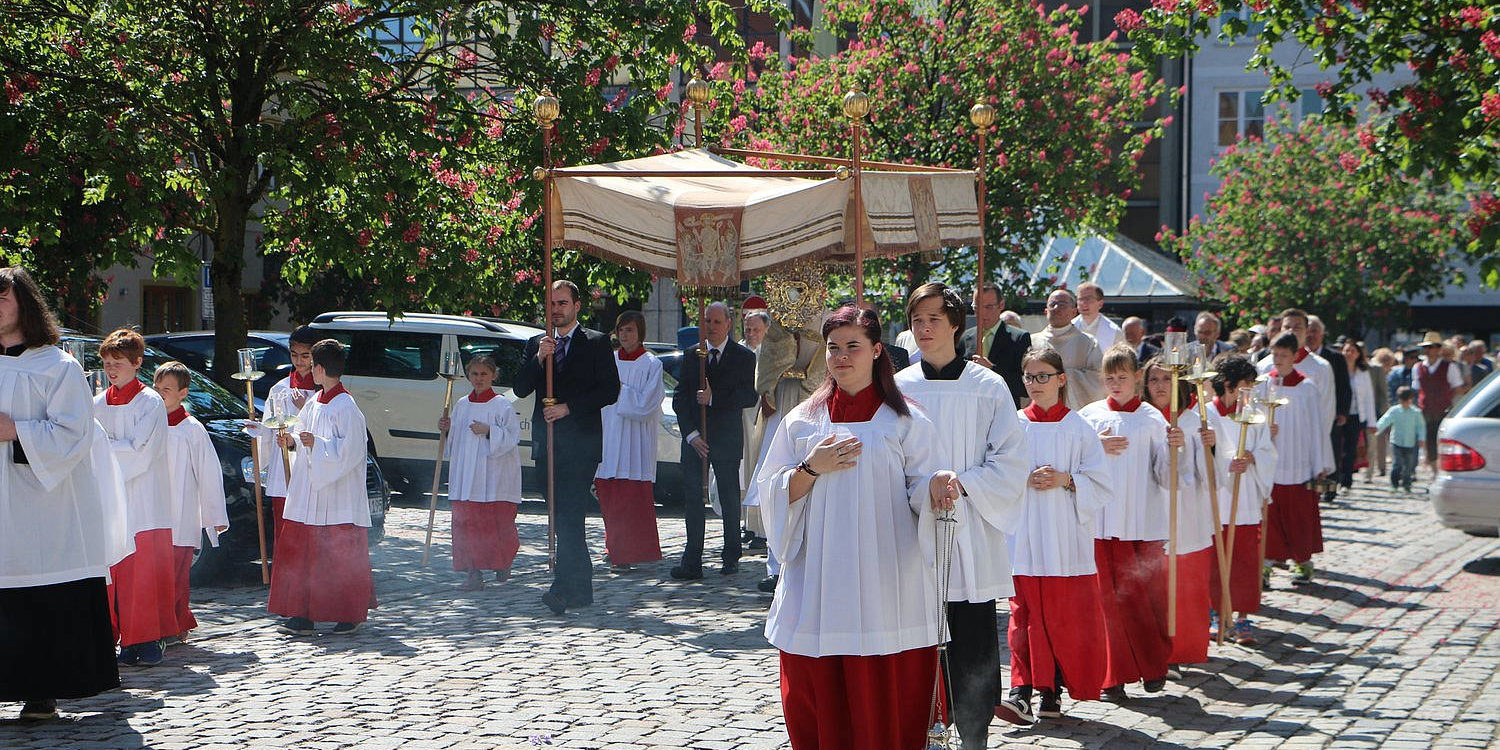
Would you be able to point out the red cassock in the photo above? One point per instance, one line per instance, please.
(1294, 524)
(322, 573)
(629, 509)
(1056, 628)
(182, 560)
(1190, 645)
(1133, 597)
(857, 702)
(1244, 572)
(143, 594)
(484, 535)
(278, 505)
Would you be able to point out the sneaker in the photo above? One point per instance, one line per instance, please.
(502, 576)
(128, 656)
(1173, 673)
(1051, 707)
(1302, 573)
(474, 582)
(150, 653)
(1016, 708)
(684, 573)
(296, 626)
(1213, 625)
(1155, 686)
(1265, 576)
(1244, 634)
(345, 628)
(44, 709)
(1114, 694)
(756, 545)
(621, 569)
(768, 586)
(729, 569)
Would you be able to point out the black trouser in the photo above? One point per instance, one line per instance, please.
(1346, 449)
(726, 465)
(573, 578)
(973, 669)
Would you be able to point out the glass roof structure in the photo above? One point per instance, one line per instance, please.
(1127, 270)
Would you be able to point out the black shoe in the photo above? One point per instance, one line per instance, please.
(684, 573)
(748, 536)
(554, 603)
(345, 628)
(729, 569)
(296, 626)
(44, 709)
(1155, 686)
(1051, 707)
(756, 545)
(1016, 708)
(768, 586)
(1114, 694)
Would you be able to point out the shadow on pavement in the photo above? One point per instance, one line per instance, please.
(1484, 566)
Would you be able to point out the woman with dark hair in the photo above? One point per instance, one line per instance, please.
(626, 478)
(1362, 414)
(55, 627)
(848, 492)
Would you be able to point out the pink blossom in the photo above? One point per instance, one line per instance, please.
(1128, 20)
(1491, 42)
(413, 233)
(364, 238)
(1490, 105)
(1472, 16)
(664, 92)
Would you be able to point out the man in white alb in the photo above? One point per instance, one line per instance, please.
(1090, 318)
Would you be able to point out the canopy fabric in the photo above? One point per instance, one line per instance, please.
(719, 231)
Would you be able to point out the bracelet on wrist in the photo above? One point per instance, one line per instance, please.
(803, 467)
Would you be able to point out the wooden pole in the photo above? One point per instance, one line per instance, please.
(1172, 530)
(1213, 504)
(549, 399)
(883, 166)
(702, 385)
(979, 186)
(260, 510)
(437, 473)
(1265, 504)
(859, 215)
(1234, 509)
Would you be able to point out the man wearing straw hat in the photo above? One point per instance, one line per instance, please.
(1437, 382)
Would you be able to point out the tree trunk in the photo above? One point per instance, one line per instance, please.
(229, 303)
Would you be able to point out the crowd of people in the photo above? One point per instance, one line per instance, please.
(902, 491)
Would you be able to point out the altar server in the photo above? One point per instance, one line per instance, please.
(1195, 517)
(979, 436)
(59, 494)
(626, 480)
(1311, 365)
(1129, 549)
(322, 570)
(1056, 631)
(295, 390)
(1256, 471)
(195, 483)
(848, 491)
(144, 587)
(484, 476)
(1294, 524)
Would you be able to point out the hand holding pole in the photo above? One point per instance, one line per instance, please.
(249, 374)
(1201, 376)
(451, 370)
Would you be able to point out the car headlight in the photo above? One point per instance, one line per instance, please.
(669, 423)
(247, 470)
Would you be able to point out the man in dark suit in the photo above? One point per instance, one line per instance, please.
(729, 391)
(584, 381)
(1007, 344)
(1134, 330)
(1206, 329)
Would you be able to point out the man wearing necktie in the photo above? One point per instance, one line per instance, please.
(584, 381)
(729, 390)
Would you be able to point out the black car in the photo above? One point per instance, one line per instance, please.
(195, 349)
(223, 415)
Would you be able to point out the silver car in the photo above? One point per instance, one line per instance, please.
(1466, 495)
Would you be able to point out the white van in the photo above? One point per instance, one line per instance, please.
(392, 372)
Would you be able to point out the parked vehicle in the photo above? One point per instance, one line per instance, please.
(223, 415)
(1466, 493)
(195, 349)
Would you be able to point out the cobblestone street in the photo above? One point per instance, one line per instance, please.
(1395, 646)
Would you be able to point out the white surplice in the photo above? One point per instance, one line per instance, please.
(1140, 507)
(979, 437)
(1195, 514)
(631, 423)
(197, 484)
(1320, 372)
(1255, 483)
(65, 517)
(484, 468)
(1082, 359)
(1055, 533)
(137, 434)
(270, 453)
(858, 575)
(1105, 332)
(1303, 449)
(328, 479)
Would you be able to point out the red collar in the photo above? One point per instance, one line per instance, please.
(1293, 379)
(1301, 355)
(1130, 405)
(302, 383)
(632, 356)
(1181, 409)
(860, 407)
(122, 396)
(1223, 410)
(175, 416)
(480, 398)
(328, 394)
(1036, 413)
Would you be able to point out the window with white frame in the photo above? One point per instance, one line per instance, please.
(1253, 27)
(398, 36)
(1242, 115)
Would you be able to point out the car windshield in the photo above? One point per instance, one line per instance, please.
(206, 399)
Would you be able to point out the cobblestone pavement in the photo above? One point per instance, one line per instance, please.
(1395, 646)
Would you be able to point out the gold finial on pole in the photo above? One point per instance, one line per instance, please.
(698, 92)
(856, 107)
(547, 109)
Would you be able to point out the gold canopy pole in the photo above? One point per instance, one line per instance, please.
(982, 116)
(547, 109)
(698, 93)
(856, 107)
